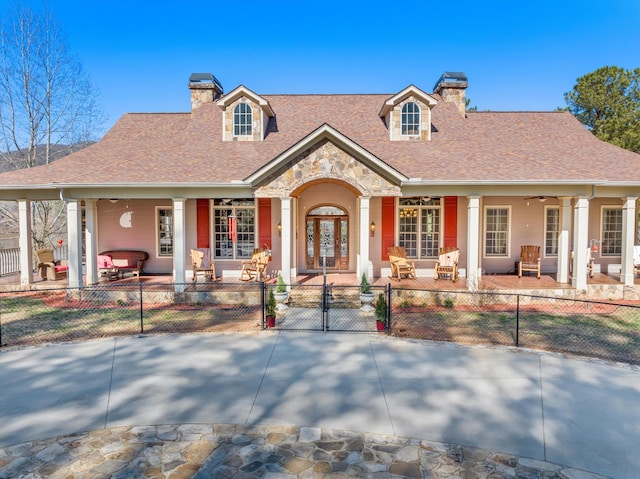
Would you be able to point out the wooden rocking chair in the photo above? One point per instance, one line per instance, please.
(203, 264)
(256, 268)
(447, 263)
(529, 260)
(400, 267)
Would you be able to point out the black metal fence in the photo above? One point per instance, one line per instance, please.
(606, 330)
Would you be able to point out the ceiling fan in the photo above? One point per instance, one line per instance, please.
(541, 199)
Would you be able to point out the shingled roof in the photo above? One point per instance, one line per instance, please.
(484, 147)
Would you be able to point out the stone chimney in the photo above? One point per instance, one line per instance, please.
(452, 87)
(205, 88)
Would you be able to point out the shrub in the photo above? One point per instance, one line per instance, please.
(365, 286)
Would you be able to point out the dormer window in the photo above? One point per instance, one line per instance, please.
(242, 120)
(410, 119)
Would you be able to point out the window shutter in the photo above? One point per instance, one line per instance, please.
(202, 223)
(451, 221)
(388, 226)
(264, 222)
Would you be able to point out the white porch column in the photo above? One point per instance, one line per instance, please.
(363, 258)
(285, 221)
(473, 243)
(179, 244)
(26, 255)
(91, 243)
(580, 243)
(564, 255)
(628, 237)
(74, 243)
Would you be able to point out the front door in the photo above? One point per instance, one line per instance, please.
(327, 239)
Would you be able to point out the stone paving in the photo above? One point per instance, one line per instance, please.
(227, 451)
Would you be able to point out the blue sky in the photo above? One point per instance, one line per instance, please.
(518, 55)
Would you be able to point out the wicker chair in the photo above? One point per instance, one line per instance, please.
(529, 260)
(48, 268)
(400, 266)
(447, 263)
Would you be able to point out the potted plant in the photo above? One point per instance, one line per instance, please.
(366, 295)
(271, 309)
(281, 294)
(381, 312)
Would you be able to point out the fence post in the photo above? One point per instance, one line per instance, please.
(388, 318)
(517, 320)
(262, 302)
(141, 311)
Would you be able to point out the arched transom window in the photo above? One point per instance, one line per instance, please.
(410, 119)
(242, 120)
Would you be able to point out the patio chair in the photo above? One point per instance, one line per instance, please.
(203, 264)
(447, 263)
(529, 260)
(400, 266)
(256, 267)
(590, 262)
(48, 268)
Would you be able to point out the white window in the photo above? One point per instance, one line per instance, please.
(611, 242)
(164, 240)
(419, 226)
(242, 120)
(497, 221)
(234, 228)
(551, 230)
(410, 119)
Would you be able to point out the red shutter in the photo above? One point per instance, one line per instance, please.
(451, 221)
(388, 227)
(202, 223)
(264, 222)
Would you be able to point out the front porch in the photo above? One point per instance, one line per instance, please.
(602, 286)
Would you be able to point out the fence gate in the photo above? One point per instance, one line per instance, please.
(329, 307)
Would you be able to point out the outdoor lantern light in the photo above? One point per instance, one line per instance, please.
(372, 229)
(279, 228)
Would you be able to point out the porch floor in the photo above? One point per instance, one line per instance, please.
(487, 282)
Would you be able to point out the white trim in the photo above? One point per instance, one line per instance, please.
(484, 231)
(157, 228)
(544, 238)
(243, 91)
(327, 132)
(601, 230)
(398, 97)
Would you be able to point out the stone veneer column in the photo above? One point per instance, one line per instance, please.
(627, 274)
(580, 244)
(473, 243)
(74, 243)
(179, 244)
(91, 252)
(26, 256)
(363, 257)
(562, 275)
(285, 221)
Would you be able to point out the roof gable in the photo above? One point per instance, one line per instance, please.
(408, 91)
(242, 91)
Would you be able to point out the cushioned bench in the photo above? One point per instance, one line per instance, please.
(127, 261)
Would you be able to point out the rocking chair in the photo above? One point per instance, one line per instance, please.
(400, 267)
(447, 263)
(203, 264)
(256, 268)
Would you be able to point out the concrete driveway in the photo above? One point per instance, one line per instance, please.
(575, 412)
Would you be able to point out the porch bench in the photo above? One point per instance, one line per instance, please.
(127, 261)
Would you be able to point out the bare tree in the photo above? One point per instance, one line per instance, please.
(48, 106)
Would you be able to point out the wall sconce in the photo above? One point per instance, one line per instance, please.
(279, 228)
(372, 229)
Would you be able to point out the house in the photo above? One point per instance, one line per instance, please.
(332, 181)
